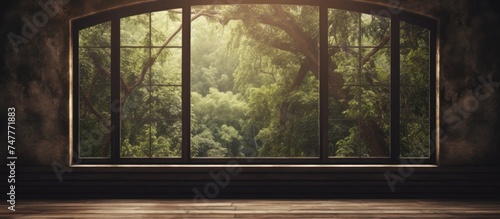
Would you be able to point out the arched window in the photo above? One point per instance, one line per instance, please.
(313, 82)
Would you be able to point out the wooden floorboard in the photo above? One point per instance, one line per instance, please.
(348, 208)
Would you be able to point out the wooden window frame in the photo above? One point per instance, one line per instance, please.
(114, 16)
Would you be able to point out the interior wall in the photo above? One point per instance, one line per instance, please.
(35, 76)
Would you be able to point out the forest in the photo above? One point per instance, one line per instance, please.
(254, 84)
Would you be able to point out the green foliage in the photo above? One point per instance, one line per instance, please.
(250, 93)
(415, 91)
(222, 115)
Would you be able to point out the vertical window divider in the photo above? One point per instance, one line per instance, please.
(323, 86)
(75, 156)
(395, 89)
(115, 90)
(150, 87)
(358, 86)
(186, 83)
(434, 100)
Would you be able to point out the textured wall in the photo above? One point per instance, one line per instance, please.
(469, 56)
(35, 77)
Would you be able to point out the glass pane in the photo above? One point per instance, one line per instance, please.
(415, 102)
(94, 67)
(167, 69)
(135, 31)
(95, 139)
(151, 91)
(344, 138)
(375, 138)
(136, 104)
(415, 55)
(166, 124)
(415, 139)
(166, 27)
(94, 99)
(152, 122)
(166, 102)
(375, 102)
(343, 28)
(376, 66)
(96, 36)
(135, 130)
(347, 63)
(135, 138)
(359, 84)
(167, 139)
(415, 91)
(415, 121)
(255, 91)
(94, 102)
(359, 138)
(375, 30)
(133, 66)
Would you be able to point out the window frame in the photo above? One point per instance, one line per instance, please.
(114, 16)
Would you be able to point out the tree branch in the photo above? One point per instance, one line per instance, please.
(370, 130)
(107, 73)
(98, 115)
(301, 74)
(151, 61)
(92, 84)
(377, 48)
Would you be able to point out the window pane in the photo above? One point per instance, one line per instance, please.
(95, 139)
(167, 69)
(94, 67)
(166, 25)
(376, 66)
(136, 104)
(151, 91)
(415, 55)
(96, 36)
(415, 102)
(94, 91)
(375, 30)
(151, 125)
(94, 99)
(345, 142)
(167, 139)
(359, 84)
(255, 91)
(166, 112)
(343, 28)
(136, 138)
(132, 64)
(135, 31)
(415, 91)
(415, 138)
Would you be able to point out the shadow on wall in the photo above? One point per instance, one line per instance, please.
(35, 78)
(470, 76)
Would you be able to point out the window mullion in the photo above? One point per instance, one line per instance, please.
(115, 90)
(75, 155)
(434, 100)
(324, 62)
(395, 89)
(186, 83)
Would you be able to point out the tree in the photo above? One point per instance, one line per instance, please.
(255, 83)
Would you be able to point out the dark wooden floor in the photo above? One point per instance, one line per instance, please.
(255, 209)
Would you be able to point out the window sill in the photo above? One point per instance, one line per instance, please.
(291, 166)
